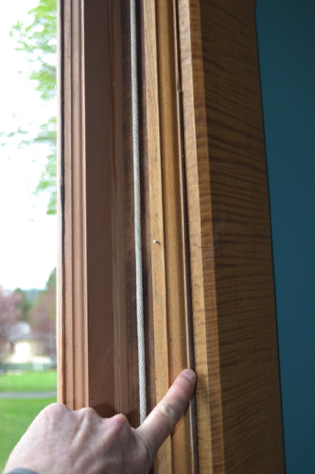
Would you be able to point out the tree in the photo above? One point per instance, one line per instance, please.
(25, 303)
(43, 316)
(10, 313)
(47, 183)
(39, 41)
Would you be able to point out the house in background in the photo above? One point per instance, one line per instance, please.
(27, 350)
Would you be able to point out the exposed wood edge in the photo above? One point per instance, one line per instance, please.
(243, 266)
(121, 372)
(129, 217)
(174, 219)
(203, 283)
(164, 214)
(157, 242)
(73, 353)
(60, 198)
(187, 304)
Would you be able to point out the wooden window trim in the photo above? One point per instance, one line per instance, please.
(166, 262)
(92, 247)
(235, 337)
(194, 270)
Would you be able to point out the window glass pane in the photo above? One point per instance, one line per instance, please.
(28, 234)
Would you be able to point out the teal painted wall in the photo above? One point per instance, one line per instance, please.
(286, 45)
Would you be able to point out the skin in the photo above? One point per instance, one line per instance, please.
(64, 441)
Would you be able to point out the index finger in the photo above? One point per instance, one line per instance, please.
(163, 418)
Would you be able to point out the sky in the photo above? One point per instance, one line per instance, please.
(28, 237)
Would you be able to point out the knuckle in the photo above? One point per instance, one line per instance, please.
(55, 409)
(120, 420)
(169, 411)
(52, 414)
(118, 423)
(87, 412)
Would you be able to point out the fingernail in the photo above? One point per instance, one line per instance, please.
(190, 374)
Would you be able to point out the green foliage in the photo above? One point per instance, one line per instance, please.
(47, 183)
(44, 381)
(25, 304)
(52, 280)
(15, 417)
(39, 41)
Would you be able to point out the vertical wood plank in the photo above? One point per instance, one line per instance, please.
(232, 282)
(203, 277)
(99, 191)
(94, 350)
(129, 232)
(73, 361)
(172, 194)
(157, 241)
(164, 213)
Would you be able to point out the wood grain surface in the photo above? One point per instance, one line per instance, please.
(72, 317)
(165, 256)
(238, 396)
(208, 278)
(97, 329)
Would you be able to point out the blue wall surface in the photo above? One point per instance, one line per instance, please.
(286, 44)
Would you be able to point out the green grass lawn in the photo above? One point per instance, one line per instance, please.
(17, 414)
(41, 381)
(15, 417)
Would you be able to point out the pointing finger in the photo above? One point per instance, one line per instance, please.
(163, 418)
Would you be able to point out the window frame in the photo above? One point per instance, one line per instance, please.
(189, 226)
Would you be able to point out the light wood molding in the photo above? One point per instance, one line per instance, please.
(164, 216)
(94, 308)
(72, 334)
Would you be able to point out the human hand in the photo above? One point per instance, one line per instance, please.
(64, 441)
